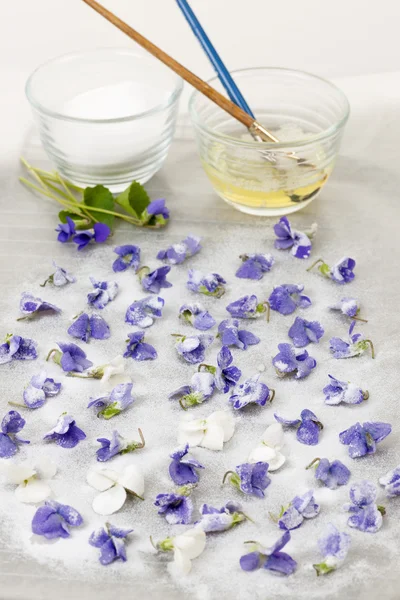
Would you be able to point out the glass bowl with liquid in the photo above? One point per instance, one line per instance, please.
(105, 116)
(305, 113)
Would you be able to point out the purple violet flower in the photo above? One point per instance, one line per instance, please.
(251, 479)
(178, 253)
(341, 272)
(65, 230)
(177, 508)
(308, 427)
(128, 256)
(143, 312)
(254, 266)
(211, 284)
(332, 474)
(114, 403)
(226, 374)
(71, 358)
(65, 434)
(182, 469)
(16, 347)
(192, 348)
(157, 208)
(271, 559)
(117, 445)
(100, 233)
(59, 278)
(355, 346)
(300, 508)
(137, 349)
(11, 424)
(155, 280)
(31, 306)
(366, 515)
(220, 519)
(304, 332)
(195, 315)
(334, 547)
(40, 388)
(201, 388)
(293, 360)
(52, 520)
(287, 297)
(391, 482)
(104, 292)
(362, 439)
(248, 307)
(347, 306)
(228, 331)
(251, 392)
(111, 542)
(299, 242)
(342, 391)
(85, 327)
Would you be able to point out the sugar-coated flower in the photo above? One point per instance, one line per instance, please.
(40, 388)
(362, 439)
(355, 346)
(334, 547)
(128, 257)
(143, 312)
(182, 469)
(137, 349)
(201, 388)
(341, 272)
(11, 424)
(303, 332)
(99, 234)
(220, 519)
(300, 508)
(308, 426)
(290, 360)
(391, 482)
(117, 445)
(269, 449)
(114, 487)
(211, 432)
(114, 403)
(228, 331)
(31, 479)
(71, 358)
(332, 474)
(255, 265)
(298, 241)
(348, 306)
(251, 391)
(177, 508)
(178, 253)
(226, 374)
(65, 230)
(52, 520)
(211, 284)
(111, 542)
(248, 307)
(365, 514)
(342, 391)
(192, 348)
(16, 347)
(186, 547)
(65, 434)
(250, 478)
(157, 208)
(196, 316)
(153, 281)
(271, 559)
(85, 327)
(59, 278)
(115, 369)
(287, 297)
(31, 306)
(104, 292)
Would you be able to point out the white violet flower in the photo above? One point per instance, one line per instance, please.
(31, 479)
(186, 547)
(210, 433)
(115, 369)
(114, 487)
(268, 450)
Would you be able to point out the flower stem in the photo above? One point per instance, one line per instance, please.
(75, 374)
(312, 463)
(16, 404)
(142, 445)
(272, 395)
(372, 348)
(181, 404)
(365, 395)
(360, 319)
(153, 544)
(315, 264)
(24, 318)
(47, 281)
(50, 353)
(268, 309)
(226, 475)
(381, 509)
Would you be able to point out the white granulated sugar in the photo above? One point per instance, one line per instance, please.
(216, 573)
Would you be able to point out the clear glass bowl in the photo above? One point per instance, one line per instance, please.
(306, 113)
(105, 116)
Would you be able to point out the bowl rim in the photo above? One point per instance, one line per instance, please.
(38, 106)
(326, 133)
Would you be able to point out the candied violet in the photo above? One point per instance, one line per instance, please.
(71, 358)
(391, 482)
(300, 508)
(365, 514)
(231, 335)
(192, 348)
(176, 254)
(196, 315)
(248, 307)
(52, 520)
(299, 242)
(85, 327)
(117, 445)
(331, 474)
(362, 439)
(287, 297)
(128, 257)
(211, 284)
(137, 349)
(16, 347)
(355, 346)
(308, 427)
(250, 478)
(254, 266)
(201, 388)
(39, 388)
(290, 360)
(104, 292)
(220, 519)
(115, 402)
(303, 332)
(251, 391)
(334, 547)
(111, 542)
(226, 374)
(154, 281)
(31, 306)
(342, 391)
(11, 424)
(271, 559)
(177, 508)
(182, 469)
(65, 434)
(143, 312)
(341, 272)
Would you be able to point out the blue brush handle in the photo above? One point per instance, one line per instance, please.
(223, 74)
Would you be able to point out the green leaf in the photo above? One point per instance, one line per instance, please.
(110, 411)
(80, 222)
(100, 197)
(134, 199)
